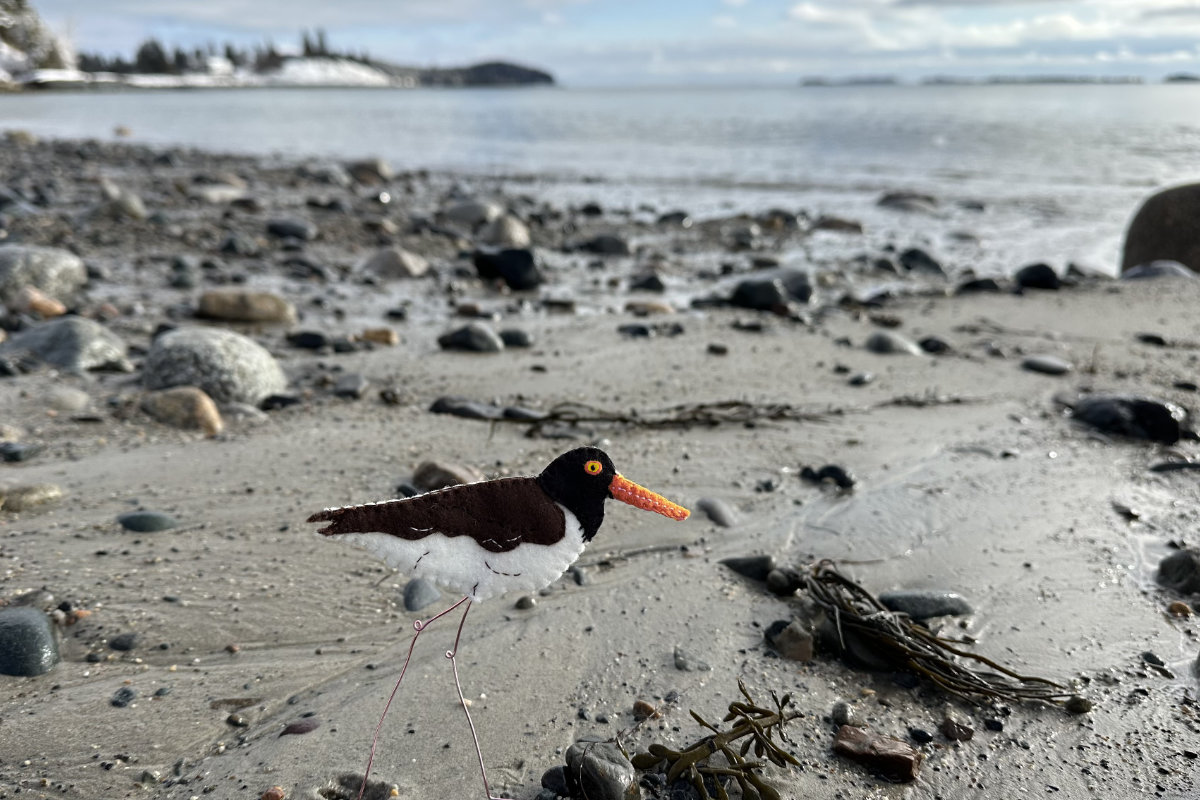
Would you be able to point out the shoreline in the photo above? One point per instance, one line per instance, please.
(969, 478)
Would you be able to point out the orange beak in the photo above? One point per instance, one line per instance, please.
(627, 491)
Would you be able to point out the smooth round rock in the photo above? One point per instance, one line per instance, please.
(228, 367)
(1047, 365)
(475, 337)
(1180, 571)
(926, 603)
(420, 593)
(889, 343)
(147, 521)
(1165, 228)
(27, 642)
(600, 771)
(718, 511)
(1037, 276)
(124, 642)
(74, 344)
(56, 272)
(394, 263)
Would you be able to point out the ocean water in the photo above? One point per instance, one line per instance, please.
(1059, 169)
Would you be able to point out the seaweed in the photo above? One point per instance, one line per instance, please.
(758, 725)
(908, 646)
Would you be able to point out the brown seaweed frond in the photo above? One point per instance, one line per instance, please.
(763, 731)
(897, 639)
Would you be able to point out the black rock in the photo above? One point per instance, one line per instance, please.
(920, 735)
(784, 581)
(475, 337)
(555, 779)
(464, 407)
(515, 337)
(123, 696)
(308, 340)
(517, 267)
(680, 218)
(292, 228)
(977, 285)
(27, 642)
(607, 244)
(18, 451)
(1129, 415)
(914, 259)
(753, 567)
(274, 402)
(926, 603)
(1180, 571)
(993, 724)
(760, 294)
(934, 346)
(238, 244)
(651, 282)
(839, 476)
(146, 521)
(124, 642)
(599, 770)
(1037, 276)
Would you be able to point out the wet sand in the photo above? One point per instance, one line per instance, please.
(970, 478)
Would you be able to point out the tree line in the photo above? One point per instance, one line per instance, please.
(153, 57)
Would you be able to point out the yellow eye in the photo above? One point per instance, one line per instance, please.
(593, 468)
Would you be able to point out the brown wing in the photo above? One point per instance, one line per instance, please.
(499, 515)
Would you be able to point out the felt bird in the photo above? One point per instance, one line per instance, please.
(483, 539)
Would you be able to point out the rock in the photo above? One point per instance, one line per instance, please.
(1129, 415)
(934, 345)
(1180, 571)
(470, 213)
(29, 497)
(600, 771)
(308, 340)
(1157, 269)
(680, 218)
(68, 399)
(607, 244)
(1081, 705)
(753, 567)
(826, 222)
(292, 228)
(238, 244)
(925, 603)
(475, 337)
(840, 477)
(844, 713)
(647, 282)
(914, 259)
(387, 337)
(124, 642)
(240, 305)
(73, 344)
(218, 194)
(506, 231)
(956, 730)
(1165, 228)
(760, 295)
(121, 202)
(227, 366)
(718, 511)
(466, 408)
(370, 171)
(891, 343)
(978, 285)
(31, 300)
(908, 201)
(784, 581)
(1037, 276)
(27, 642)
(515, 266)
(352, 386)
(420, 593)
(1047, 365)
(184, 407)
(791, 639)
(123, 697)
(431, 475)
(891, 758)
(686, 662)
(147, 521)
(555, 780)
(920, 735)
(395, 263)
(16, 452)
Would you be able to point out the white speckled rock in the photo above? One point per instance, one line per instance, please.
(58, 273)
(227, 366)
(74, 344)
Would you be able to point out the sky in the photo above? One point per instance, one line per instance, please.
(680, 42)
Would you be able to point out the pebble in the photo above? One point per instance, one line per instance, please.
(474, 337)
(395, 263)
(754, 567)
(13, 452)
(1037, 276)
(506, 231)
(844, 713)
(784, 581)
(650, 282)
(352, 386)
(420, 593)
(184, 407)
(956, 730)
(466, 408)
(470, 213)
(146, 521)
(308, 340)
(791, 639)
(34, 301)
(28, 645)
(891, 343)
(228, 367)
(926, 603)
(515, 337)
(123, 697)
(431, 475)
(934, 345)
(73, 344)
(242, 305)
(599, 770)
(56, 272)
(686, 662)
(27, 498)
(643, 710)
(891, 758)
(979, 285)
(1180, 571)
(525, 602)
(1047, 365)
(517, 267)
(718, 511)
(920, 735)
(292, 228)
(301, 727)
(914, 259)
(124, 642)
(1133, 416)
(607, 244)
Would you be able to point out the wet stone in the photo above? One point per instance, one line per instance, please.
(600, 771)
(124, 642)
(926, 603)
(891, 758)
(27, 642)
(920, 735)
(844, 713)
(1133, 416)
(784, 581)
(352, 386)
(515, 337)
(420, 593)
(292, 228)
(686, 662)
(146, 521)
(1180, 571)
(13, 452)
(791, 640)
(890, 343)
(123, 697)
(1047, 365)
(474, 337)
(718, 511)
(1037, 276)
(956, 730)
(753, 567)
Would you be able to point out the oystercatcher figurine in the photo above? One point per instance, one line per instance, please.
(487, 538)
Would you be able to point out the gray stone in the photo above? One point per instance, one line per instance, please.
(228, 367)
(607, 244)
(1165, 228)
(420, 593)
(27, 642)
(147, 521)
(686, 662)
(1161, 268)
(926, 603)
(792, 640)
(124, 642)
(242, 305)
(844, 713)
(718, 511)
(73, 344)
(1047, 365)
(122, 202)
(370, 171)
(1180, 571)
(1133, 416)
(889, 343)
(352, 386)
(292, 228)
(394, 263)
(475, 337)
(909, 201)
(506, 231)
(470, 213)
(58, 273)
(754, 567)
(914, 259)
(600, 771)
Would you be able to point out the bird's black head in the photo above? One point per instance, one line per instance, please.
(580, 479)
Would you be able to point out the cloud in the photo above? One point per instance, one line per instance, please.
(1170, 12)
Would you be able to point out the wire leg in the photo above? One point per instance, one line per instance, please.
(418, 626)
(450, 654)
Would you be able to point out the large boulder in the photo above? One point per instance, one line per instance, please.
(1166, 227)
(57, 273)
(73, 344)
(227, 366)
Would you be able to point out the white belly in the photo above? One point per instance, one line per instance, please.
(459, 564)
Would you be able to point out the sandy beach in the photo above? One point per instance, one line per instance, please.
(971, 476)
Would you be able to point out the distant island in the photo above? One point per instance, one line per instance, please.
(32, 57)
(992, 80)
